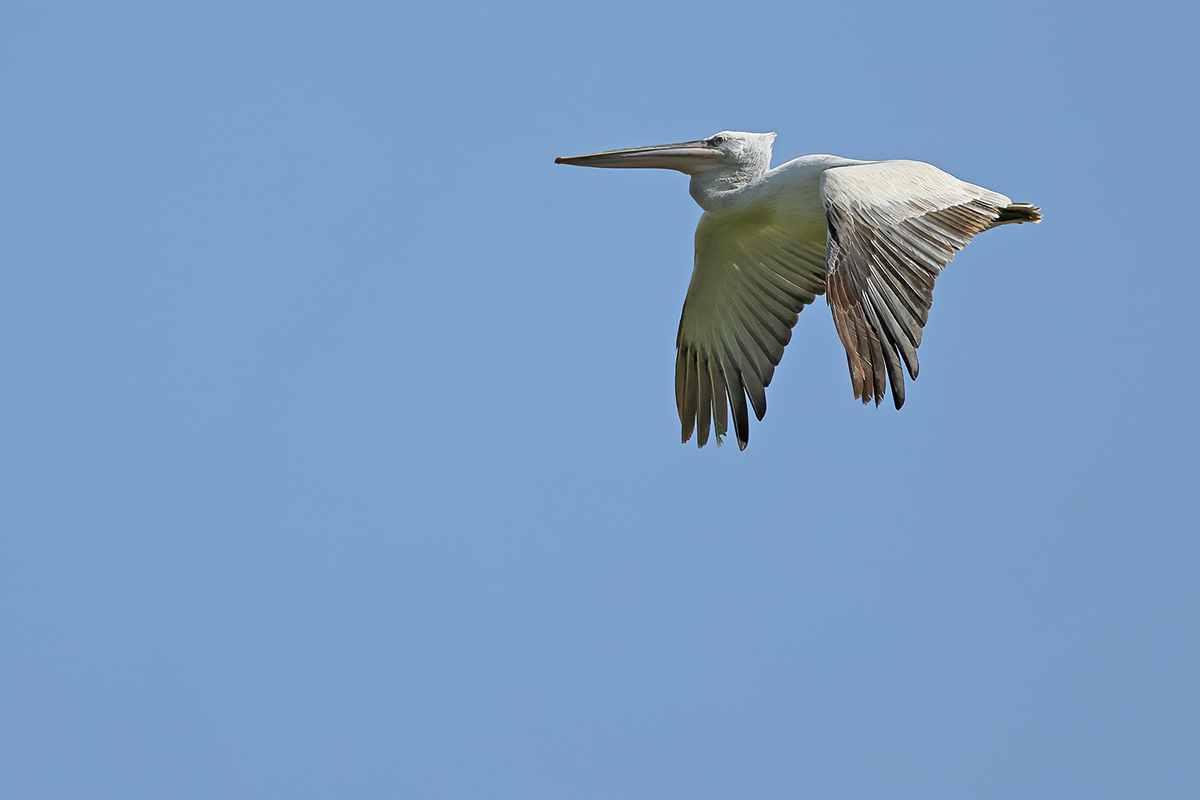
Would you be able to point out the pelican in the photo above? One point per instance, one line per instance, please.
(872, 234)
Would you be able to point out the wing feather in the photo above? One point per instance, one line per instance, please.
(737, 400)
(704, 407)
(689, 400)
(719, 406)
(752, 277)
(893, 226)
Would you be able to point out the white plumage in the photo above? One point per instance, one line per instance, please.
(873, 234)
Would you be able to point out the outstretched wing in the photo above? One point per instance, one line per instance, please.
(893, 226)
(752, 277)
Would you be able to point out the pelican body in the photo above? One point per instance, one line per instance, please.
(871, 235)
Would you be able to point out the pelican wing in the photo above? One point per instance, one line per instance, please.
(752, 277)
(893, 226)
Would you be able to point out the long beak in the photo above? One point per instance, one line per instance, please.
(686, 157)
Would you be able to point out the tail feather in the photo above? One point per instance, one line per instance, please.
(1018, 212)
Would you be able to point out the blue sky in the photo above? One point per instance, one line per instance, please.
(340, 456)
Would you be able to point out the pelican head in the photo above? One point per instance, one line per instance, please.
(723, 162)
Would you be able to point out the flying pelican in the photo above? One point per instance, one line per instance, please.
(874, 234)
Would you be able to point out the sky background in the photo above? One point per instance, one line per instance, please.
(339, 453)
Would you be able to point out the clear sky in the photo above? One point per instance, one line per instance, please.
(338, 448)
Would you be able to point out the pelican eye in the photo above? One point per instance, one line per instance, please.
(717, 140)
